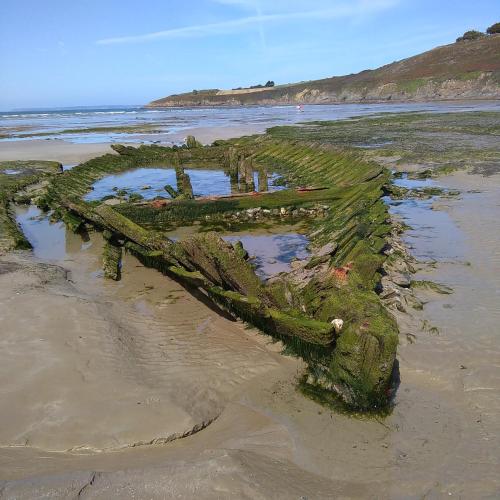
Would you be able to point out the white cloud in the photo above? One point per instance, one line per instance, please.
(249, 4)
(354, 9)
(282, 6)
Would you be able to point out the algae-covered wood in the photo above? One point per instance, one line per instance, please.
(300, 307)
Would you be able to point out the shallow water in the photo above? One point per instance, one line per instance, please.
(459, 360)
(432, 236)
(174, 120)
(205, 182)
(48, 239)
(273, 253)
(407, 183)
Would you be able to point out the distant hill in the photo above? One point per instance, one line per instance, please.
(467, 69)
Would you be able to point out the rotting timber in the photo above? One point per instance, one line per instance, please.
(20, 181)
(352, 360)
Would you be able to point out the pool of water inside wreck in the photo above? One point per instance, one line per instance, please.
(273, 253)
(271, 249)
(150, 182)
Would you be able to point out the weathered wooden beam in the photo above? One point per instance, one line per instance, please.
(112, 260)
(208, 262)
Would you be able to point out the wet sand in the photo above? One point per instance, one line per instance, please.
(187, 365)
(67, 152)
(129, 355)
(91, 351)
(56, 150)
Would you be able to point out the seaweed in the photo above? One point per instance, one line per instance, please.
(26, 173)
(355, 363)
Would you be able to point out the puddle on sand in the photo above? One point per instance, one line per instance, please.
(205, 182)
(48, 239)
(51, 241)
(407, 183)
(433, 235)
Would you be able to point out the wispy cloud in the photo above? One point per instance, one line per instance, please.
(262, 33)
(344, 10)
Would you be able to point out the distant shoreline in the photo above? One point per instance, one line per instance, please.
(461, 70)
(332, 103)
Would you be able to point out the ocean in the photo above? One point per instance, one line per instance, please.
(155, 125)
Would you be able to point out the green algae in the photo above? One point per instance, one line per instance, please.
(182, 211)
(191, 142)
(124, 129)
(445, 142)
(431, 285)
(355, 363)
(23, 174)
(112, 257)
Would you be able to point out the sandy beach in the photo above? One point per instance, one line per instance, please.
(250, 250)
(162, 392)
(71, 153)
(57, 150)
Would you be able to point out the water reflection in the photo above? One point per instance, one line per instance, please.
(150, 183)
(432, 235)
(273, 253)
(48, 239)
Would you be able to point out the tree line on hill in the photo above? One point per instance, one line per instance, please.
(269, 83)
(494, 29)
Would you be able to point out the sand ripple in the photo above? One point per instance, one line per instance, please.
(86, 373)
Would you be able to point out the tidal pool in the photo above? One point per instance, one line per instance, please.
(48, 239)
(150, 183)
(407, 183)
(432, 235)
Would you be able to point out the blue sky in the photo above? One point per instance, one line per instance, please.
(90, 52)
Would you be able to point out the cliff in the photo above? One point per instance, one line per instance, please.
(462, 70)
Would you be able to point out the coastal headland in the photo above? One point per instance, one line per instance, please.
(467, 69)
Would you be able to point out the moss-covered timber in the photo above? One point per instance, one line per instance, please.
(16, 176)
(354, 363)
(111, 260)
(181, 212)
(223, 269)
